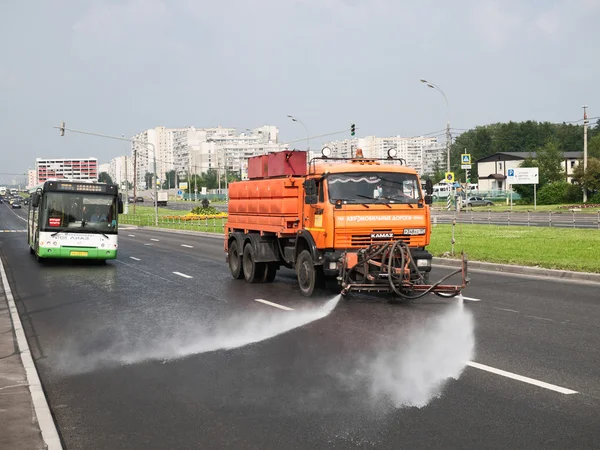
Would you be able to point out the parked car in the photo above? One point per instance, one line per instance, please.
(476, 201)
(139, 199)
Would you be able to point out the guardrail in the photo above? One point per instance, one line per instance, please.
(207, 224)
(567, 219)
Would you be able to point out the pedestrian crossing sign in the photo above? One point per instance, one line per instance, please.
(450, 177)
(466, 158)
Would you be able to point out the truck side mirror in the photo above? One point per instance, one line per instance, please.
(429, 187)
(428, 200)
(35, 200)
(310, 190)
(120, 204)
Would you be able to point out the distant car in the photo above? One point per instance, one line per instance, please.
(131, 199)
(16, 205)
(476, 201)
(139, 199)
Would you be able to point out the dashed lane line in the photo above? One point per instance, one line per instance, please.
(134, 258)
(183, 275)
(187, 246)
(275, 305)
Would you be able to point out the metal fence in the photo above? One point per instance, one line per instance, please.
(208, 224)
(566, 219)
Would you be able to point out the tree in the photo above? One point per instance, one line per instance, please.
(104, 177)
(594, 147)
(549, 159)
(170, 180)
(589, 180)
(148, 178)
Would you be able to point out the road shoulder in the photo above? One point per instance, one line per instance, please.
(25, 419)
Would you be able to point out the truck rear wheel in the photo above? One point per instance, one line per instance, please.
(253, 271)
(309, 275)
(235, 261)
(270, 272)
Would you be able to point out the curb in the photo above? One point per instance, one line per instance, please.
(521, 270)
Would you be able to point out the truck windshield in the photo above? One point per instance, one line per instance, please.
(78, 212)
(360, 187)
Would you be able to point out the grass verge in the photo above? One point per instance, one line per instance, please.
(215, 225)
(502, 207)
(550, 248)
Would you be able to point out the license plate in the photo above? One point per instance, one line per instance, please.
(79, 253)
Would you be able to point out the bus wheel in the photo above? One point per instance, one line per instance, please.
(31, 251)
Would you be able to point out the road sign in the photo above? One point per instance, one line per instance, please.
(183, 185)
(449, 177)
(465, 166)
(203, 190)
(180, 192)
(523, 175)
(466, 158)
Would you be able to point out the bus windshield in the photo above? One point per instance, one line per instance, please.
(361, 187)
(79, 212)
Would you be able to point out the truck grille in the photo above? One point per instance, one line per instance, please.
(346, 240)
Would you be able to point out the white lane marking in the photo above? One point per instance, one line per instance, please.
(182, 275)
(188, 246)
(540, 318)
(506, 309)
(134, 258)
(147, 244)
(266, 302)
(18, 216)
(471, 299)
(155, 240)
(40, 404)
(131, 235)
(528, 380)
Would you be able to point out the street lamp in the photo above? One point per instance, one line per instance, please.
(295, 119)
(437, 88)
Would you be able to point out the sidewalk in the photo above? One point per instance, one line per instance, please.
(18, 423)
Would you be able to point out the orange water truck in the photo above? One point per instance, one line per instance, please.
(364, 222)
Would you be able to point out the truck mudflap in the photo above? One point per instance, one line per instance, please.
(390, 267)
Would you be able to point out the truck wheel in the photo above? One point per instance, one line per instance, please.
(253, 271)
(270, 272)
(309, 276)
(235, 261)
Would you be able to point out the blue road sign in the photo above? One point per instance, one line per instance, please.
(511, 172)
(179, 192)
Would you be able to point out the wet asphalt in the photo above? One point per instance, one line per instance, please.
(163, 349)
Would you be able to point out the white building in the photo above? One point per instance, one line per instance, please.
(159, 139)
(420, 153)
(493, 169)
(103, 168)
(121, 168)
(31, 178)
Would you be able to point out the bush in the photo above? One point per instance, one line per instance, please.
(574, 193)
(594, 198)
(553, 193)
(210, 211)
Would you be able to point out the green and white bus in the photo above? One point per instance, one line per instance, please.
(74, 219)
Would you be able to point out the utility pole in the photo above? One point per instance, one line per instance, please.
(448, 140)
(126, 188)
(585, 144)
(155, 190)
(134, 178)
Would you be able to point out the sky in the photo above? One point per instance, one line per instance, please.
(121, 66)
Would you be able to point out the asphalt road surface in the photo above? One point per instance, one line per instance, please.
(163, 349)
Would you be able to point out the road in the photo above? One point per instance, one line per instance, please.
(162, 349)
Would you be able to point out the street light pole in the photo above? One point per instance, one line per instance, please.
(585, 146)
(448, 136)
(62, 129)
(295, 119)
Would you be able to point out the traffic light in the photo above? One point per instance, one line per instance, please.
(352, 130)
(62, 128)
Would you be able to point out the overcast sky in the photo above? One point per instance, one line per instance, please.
(121, 66)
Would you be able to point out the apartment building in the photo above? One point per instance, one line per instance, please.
(121, 169)
(31, 178)
(70, 168)
(420, 153)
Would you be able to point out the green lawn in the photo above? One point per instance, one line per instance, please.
(207, 225)
(149, 211)
(551, 248)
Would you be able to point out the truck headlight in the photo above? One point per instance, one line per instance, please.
(423, 262)
(414, 231)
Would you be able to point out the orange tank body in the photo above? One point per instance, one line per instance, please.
(271, 205)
